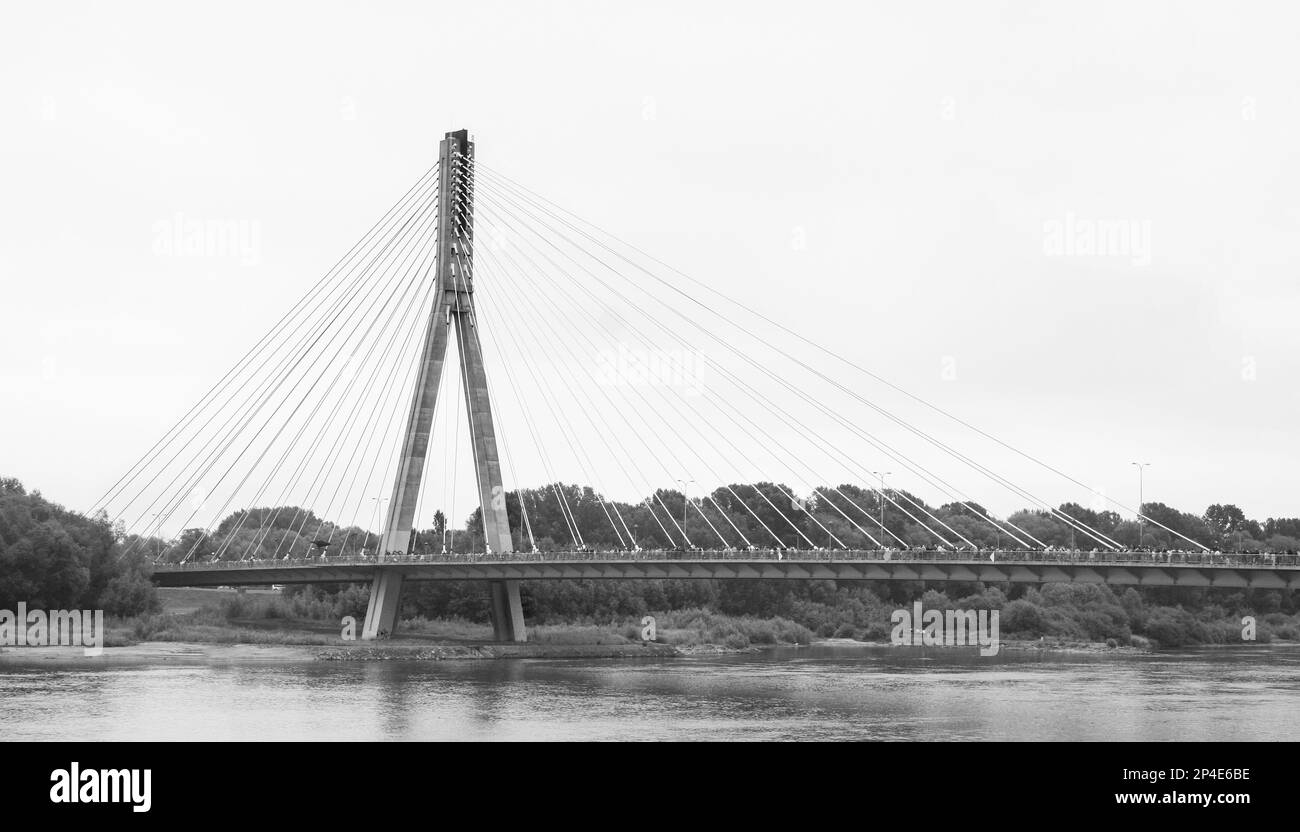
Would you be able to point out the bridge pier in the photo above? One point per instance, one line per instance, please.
(507, 611)
(385, 600)
(386, 597)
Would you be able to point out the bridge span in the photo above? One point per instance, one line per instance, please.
(1117, 568)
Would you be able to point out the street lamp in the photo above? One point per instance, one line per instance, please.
(1141, 466)
(379, 501)
(882, 475)
(685, 501)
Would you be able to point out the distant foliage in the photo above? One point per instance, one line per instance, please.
(60, 559)
(563, 516)
(52, 558)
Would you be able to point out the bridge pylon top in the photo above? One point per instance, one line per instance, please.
(461, 141)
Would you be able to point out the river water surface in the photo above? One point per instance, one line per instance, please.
(818, 692)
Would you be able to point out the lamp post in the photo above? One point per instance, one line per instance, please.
(1141, 466)
(685, 500)
(379, 502)
(882, 475)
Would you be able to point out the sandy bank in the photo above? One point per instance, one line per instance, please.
(1020, 646)
(396, 651)
(154, 652)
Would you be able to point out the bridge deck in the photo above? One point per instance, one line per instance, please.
(1120, 568)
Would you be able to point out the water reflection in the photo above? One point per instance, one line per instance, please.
(825, 692)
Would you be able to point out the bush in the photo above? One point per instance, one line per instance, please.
(128, 595)
(697, 626)
(876, 632)
(1289, 632)
(1022, 618)
(1175, 627)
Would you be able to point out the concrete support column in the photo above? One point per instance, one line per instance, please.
(507, 612)
(385, 600)
(453, 305)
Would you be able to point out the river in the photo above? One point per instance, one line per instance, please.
(819, 692)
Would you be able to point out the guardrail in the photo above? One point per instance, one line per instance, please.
(993, 556)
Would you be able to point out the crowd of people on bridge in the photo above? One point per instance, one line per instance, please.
(964, 553)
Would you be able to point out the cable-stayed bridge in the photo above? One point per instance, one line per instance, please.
(328, 454)
(1261, 571)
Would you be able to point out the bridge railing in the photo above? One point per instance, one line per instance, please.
(905, 556)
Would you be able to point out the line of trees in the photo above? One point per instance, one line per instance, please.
(564, 516)
(59, 559)
(52, 558)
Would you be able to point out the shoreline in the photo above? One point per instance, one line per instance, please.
(370, 651)
(1061, 646)
(183, 652)
(178, 652)
(197, 623)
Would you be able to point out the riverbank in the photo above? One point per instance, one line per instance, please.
(422, 650)
(156, 652)
(224, 616)
(414, 649)
(267, 618)
(180, 653)
(390, 651)
(1018, 645)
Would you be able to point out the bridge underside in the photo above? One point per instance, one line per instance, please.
(1121, 575)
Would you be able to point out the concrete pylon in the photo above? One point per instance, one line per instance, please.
(453, 306)
(507, 612)
(381, 613)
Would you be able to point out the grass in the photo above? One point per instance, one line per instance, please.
(183, 600)
(693, 627)
(445, 629)
(210, 634)
(580, 634)
(211, 625)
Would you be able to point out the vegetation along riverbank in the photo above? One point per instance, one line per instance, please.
(54, 558)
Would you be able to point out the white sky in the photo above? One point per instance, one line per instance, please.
(883, 178)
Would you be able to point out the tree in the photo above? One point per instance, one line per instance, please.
(130, 591)
(52, 558)
(1225, 519)
(193, 544)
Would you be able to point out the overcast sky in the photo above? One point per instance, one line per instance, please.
(915, 185)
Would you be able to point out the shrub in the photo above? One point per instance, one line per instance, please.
(876, 631)
(1290, 632)
(1175, 627)
(1022, 618)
